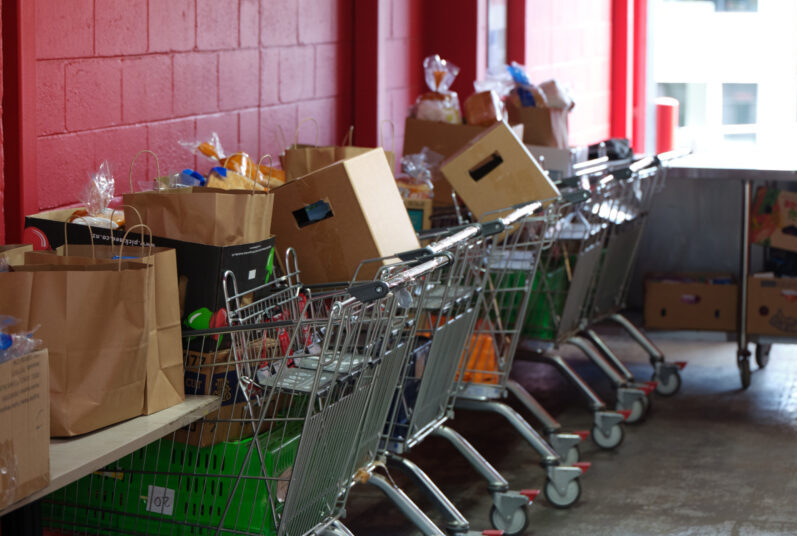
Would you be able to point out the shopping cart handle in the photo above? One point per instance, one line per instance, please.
(369, 290)
(415, 254)
(492, 228)
(575, 196)
(569, 182)
(428, 234)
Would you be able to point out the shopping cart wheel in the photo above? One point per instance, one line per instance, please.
(566, 500)
(572, 456)
(744, 372)
(609, 441)
(668, 384)
(762, 354)
(514, 523)
(638, 410)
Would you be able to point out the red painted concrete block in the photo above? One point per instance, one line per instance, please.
(279, 23)
(63, 164)
(93, 93)
(249, 134)
(120, 27)
(163, 139)
(333, 69)
(216, 24)
(172, 25)
(325, 112)
(318, 21)
(195, 83)
(277, 124)
(296, 73)
(146, 88)
(64, 29)
(238, 79)
(269, 76)
(50, 103)
(118, 146)
(249, 26)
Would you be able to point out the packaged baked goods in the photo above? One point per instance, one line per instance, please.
(418, 169)
(483, 108)
(210, 149)
(227, 179)
(97, 196)
(440, 103)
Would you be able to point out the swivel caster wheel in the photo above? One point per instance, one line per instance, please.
(743, 362)
(762, 354)
(609, 441)
(566, 500)
(512, 525)
(638, 410)
(668, 385)
(573, 456)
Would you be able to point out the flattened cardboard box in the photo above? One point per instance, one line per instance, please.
(691, 306)
(340, 215)
(772, 306)
(495, 171)
(14, 253)
(445, 139)
(24, 427)
(200, 267)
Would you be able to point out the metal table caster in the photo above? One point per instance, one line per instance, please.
(762, 354)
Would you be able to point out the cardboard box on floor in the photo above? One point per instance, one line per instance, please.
(445, 139)
(495, 171)
(340, 215)
(680, 305)
(541, 126)
(772, 306)
(774, 219)
(24, 427)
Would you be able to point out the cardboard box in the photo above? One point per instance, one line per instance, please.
(14, 254)
(541, 126)
(772, 306)
(420, 211)
(690, 302)
(445, 139)
(495, 171)
(200, 267)
(24, 427)
(214, 373)
(774, 219)
(559, 162)
(340, 215)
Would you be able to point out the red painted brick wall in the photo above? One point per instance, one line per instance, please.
(2, 156)
(117, 76)
(570, 41)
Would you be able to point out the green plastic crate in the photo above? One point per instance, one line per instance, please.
(126, 496)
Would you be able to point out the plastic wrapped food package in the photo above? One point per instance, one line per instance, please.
(210, 149)
(226, 179)
(419, 170)
(483, 108)
(440, 103)
(97, 197)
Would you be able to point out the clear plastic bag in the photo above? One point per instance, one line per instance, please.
(14, 345)
(420, 170)
(211, 149)
(4, 265)
(183, 179)
(440, 103)
(99, 191)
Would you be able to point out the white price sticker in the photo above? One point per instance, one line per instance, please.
(160, 500)
(252, 274)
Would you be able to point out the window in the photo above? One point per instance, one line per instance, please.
(691, 102)
(739, 103)
(496, 33)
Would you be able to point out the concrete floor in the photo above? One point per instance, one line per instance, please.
(713, 460)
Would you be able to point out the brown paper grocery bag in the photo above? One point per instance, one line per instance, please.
(165, 376)
(202, 215)
(14, 254)
(93, 321)
(299, 160)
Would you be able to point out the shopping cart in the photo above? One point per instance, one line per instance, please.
(283, 447)
(638, 185)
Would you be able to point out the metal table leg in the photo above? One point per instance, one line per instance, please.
(743, 354)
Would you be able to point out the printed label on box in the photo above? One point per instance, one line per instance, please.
(160, 500)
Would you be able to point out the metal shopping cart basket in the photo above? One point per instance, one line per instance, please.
(278, 456)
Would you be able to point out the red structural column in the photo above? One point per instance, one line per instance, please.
(622, 68)
(640, 73)
(516, 31)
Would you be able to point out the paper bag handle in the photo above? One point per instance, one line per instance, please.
(122, 245)
(254, 182)
(91, 238)
(392, 134)
(298, 126)
(140, 220)
(349, 137)
(270, 168)
(130, 173)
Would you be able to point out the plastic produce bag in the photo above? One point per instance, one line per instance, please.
(439, 104)
(210, 149)
(97, 197)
